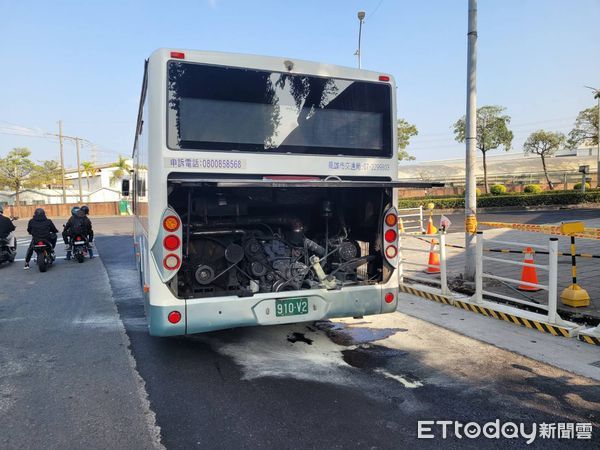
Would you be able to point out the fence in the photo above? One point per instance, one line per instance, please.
(438, 247)
(411, 219)
(63, 209)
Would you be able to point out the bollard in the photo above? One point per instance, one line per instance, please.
(443, 269)
(574, 295)
(479, 266)
(552, 279)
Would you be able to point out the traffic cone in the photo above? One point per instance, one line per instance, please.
(433, 266)
(528, 273)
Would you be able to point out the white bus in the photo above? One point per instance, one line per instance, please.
(263, 191)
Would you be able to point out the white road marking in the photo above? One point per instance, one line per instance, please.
(406, 383)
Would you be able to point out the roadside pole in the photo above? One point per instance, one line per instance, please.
(471, 141)
(62, 161)
(79, 170)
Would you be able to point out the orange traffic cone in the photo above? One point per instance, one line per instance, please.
(433, 266)
(528, 274)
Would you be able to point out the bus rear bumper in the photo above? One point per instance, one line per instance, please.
(202, 315)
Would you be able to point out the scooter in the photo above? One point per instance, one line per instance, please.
(44, 254)
(79, 248)
(8, 249)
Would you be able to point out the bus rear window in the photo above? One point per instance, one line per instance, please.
(222, 108)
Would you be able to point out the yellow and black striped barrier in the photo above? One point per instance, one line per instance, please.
(427, 295)
(593, 340)
(588, 233)
(555, 330)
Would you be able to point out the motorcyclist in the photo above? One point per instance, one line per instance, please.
(7, 228)
(41, 229)
(78, 224)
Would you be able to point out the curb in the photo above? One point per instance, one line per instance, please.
(544, 327)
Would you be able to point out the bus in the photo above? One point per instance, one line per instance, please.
(263, 191)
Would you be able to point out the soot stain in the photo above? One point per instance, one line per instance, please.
(298, 337)
(370, 356)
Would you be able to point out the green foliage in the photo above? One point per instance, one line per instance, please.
(405, 132)
(516, 200)
(585, 130)
(498, 189)
(544, 143)
(90, 170)
(45, 175)
(492, 129)
(477, 192)
(15, 168)
(577, 186)
(532, 189)
(492, 132)
(122, 168)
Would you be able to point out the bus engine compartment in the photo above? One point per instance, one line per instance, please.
(242, 240)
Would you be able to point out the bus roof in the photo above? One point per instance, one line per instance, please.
(270, 63)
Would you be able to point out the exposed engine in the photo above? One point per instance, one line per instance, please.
(233, 250)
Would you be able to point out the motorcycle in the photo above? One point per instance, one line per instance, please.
(44, 254)
(80, 248)
(8, 253)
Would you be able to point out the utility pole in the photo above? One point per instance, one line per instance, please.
(78, 170)
(471, 142)
(62, 161)
(597, 95)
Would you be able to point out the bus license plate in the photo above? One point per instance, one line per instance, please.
(291, 307)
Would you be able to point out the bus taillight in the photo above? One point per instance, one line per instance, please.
(178, 55)
(171, 242)
(171, 223)
(390, 236)
(174, 317)
(171, 261)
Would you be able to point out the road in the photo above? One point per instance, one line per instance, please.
(79, 370)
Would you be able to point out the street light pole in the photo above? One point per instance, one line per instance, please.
(471, 141)
(597, 95)
(361, 17)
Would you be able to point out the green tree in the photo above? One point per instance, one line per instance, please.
(585, 130)
(122, 168)
(492, 132)
(14, 170)
(90, 170)
(46, 174)
(405, 132)
(544, 143)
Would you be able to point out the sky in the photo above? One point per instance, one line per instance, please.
(82, 62)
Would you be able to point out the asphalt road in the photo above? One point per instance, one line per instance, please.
(78, 369)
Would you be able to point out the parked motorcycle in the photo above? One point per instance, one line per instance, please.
(7, 251)
(44, 255)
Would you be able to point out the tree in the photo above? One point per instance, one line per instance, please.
(14, 170)
(585, 130)
(544, 143)
(46, 174)
(492, 132)
(405, 132)
(122, 168)
(90, 170)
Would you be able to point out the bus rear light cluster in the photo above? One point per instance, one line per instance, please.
(390, 236)
(167, 249)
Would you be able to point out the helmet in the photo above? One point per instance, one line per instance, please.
(85, 209)
(74, 210)
(39, 212)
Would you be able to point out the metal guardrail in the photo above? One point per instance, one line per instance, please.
(551, 268)
(438, 246)
(412, 219)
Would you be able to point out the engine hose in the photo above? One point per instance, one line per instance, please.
(314, 247)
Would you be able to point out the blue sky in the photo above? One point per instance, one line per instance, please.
(82, 61)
